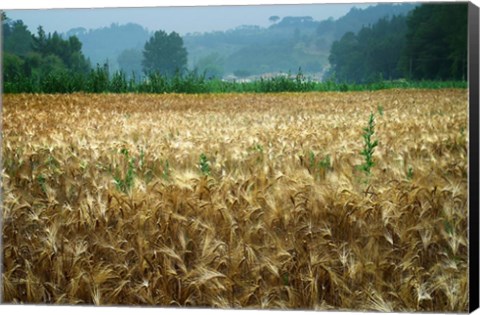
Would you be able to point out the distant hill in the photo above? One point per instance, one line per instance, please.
(355, 19)
(285, 46)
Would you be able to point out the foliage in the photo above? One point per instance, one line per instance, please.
(316, 165)
(369, 146)
(42, 62)
(124, 178)
(56, 65)
(61, 81)
(189, 83)
(325, 163)
(118, 83)
(371, 55)
(436, 42)
(69, 50)
(164, 53)
(16, 37)
(41, 180)
(429, 44)
(410, 173)
(12, 67)
(154, 83)
(98, 80)
(356, 19)
(204, 164)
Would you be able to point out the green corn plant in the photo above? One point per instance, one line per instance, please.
(369, 146)
(204, 164)
(258, 147)
(410, 173)
(125, 184)
(166, 171)
(325, 163)
(311, 157)
(318, 167)
(41, 179)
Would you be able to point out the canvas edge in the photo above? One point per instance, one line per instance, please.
(473, 81)
(474, 122)
(1, 158)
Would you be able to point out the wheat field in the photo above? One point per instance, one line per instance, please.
(237, 200)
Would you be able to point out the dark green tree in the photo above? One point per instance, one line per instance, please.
(436, 46)
(345, 59)
(12, 67)
(39, 43)
(17, 38)
(69, 51)
(164, 53)
(41, 62)
(371, 55)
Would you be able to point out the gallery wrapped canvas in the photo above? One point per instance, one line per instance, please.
(317, 156)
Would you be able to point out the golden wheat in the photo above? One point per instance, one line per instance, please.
(268, 228)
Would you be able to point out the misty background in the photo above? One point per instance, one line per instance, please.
(198, 49)
(179, 19)
(221, 41)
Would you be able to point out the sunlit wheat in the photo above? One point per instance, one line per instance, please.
(237, 200)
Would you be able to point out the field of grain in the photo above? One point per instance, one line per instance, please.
(237, 201)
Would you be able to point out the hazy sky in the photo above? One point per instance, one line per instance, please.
(179, 19)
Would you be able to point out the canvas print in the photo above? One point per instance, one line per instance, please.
(299, 157)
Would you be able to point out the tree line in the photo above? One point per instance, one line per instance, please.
(38, 60)
(290, 43)
(48, 63)
(428, 44)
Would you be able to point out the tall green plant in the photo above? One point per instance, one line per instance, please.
(98, 79)
(125, 183)
(118, 83)
(368, 146)
(204, 164)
